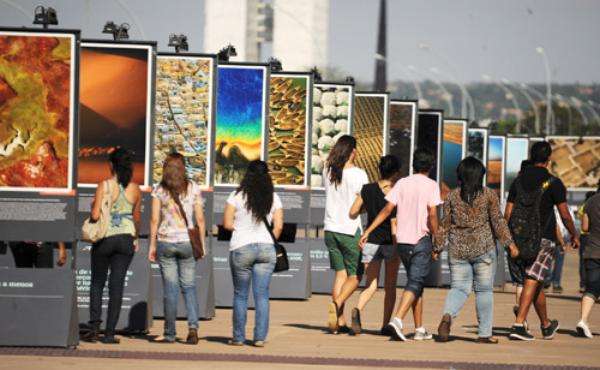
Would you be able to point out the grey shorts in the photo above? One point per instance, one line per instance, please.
(375, 252)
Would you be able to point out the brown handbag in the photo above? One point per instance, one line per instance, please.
(193, 232)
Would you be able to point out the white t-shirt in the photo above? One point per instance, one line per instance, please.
(245, 229)
(339, 200)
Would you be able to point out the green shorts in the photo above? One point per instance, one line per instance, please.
(344, 253)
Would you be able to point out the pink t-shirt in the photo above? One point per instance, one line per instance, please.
(412, 196)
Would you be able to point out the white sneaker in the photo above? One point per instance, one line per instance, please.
(422, 334)
(396, 329)
(583, 330)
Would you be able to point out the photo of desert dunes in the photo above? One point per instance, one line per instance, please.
(240, 120)
(113, 109)
(35, 110)
(495, 165)
(576, 161)
(401, 121)
(369, 115)
(287, 129)
(452, 153)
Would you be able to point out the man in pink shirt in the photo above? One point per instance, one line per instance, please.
(416, 199)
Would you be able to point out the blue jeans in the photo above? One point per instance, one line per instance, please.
(417, 262)
(178, 269)
(478, 271)
(251, 262)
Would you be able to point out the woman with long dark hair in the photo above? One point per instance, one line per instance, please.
(170, 243)
(250, 209)
(471, 221)
(381, 244)
(115, 251)
(343, 183)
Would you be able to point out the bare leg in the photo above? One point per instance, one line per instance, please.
(391, 277)
(340, 278)
(540, 307)
(587, 303)
(372, 270)
(518, 294)
(348, 288)
(417, 308)
(527, 296)
(406, 302)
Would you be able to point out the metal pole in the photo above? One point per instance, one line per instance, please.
(540, 50)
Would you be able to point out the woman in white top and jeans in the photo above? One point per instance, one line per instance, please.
(343, 183)
(252, 250)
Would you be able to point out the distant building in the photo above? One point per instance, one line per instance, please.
(294, 31)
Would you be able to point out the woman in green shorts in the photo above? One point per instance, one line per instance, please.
(343, 183)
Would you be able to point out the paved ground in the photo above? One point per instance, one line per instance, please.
(297, 339)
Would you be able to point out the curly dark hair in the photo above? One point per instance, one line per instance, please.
(257, 187)
(339, 155)
(121, 160)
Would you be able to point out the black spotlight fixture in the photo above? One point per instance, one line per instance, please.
(227, 52)
(350, 79)
(118, 32)
(275, 65)
(316, 74)
(179, 42)
(44, 16)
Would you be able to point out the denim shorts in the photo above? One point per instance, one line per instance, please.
(416, 259)
(376, 252)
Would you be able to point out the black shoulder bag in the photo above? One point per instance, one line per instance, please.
(282, 263)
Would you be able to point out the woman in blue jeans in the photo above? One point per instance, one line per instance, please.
(471, 222)
(252, 250)
(170, 243)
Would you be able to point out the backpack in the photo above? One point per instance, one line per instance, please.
(525, 220)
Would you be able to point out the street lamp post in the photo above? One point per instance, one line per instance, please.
(540, 50)
(446, 94)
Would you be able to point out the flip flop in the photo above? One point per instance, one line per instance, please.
(332, 317)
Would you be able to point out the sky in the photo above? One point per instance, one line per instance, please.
(466, 38)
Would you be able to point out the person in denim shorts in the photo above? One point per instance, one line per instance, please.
(416, 199)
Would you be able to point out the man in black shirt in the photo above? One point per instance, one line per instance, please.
(536, 270)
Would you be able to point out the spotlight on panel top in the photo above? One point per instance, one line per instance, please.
(119, 32)
(275, 65)
(179, 42)
(316, 74)
(227, 52)
(349, 79)
(45, 16)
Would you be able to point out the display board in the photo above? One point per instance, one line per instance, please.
(184, 112)
(289, 128)
(576, 160)
(495, 163)
(370, 130)
(477, 144)
(117, 110)
(242, 106)
(38, 133)
(331, 118)
(428, 135)
(402, 122)
(517, 150)
(454, 148)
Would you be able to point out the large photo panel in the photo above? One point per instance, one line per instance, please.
(576, 160)
(477, 145)
(428, 135)
(495, 163)
(116, 108)
(453, 151)
(184, 108)
(402, 122)
(517, 150)
(242, 99)
(289, 114)
(370, 130)
(331, 118)
(38, 106)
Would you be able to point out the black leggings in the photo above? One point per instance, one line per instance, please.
(592, 277)
(116, 253)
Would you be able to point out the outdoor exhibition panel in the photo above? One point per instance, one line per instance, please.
(39, 97)
(116, 110)
(576, 160)
(370, 129)
(517, 150)
(332, 117)
(136, 311)
(495, 164)
(184, 123)
(37, 305)
(402, 122)
(477, 145)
